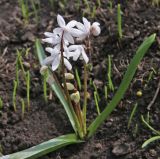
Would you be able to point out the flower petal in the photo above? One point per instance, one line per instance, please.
(71, 24)
(48, 40)
(48, 34)
(87, 24)
(76, 55)
(55, 63)
(68, 37)
(80, 26)
(67, 64)
(54, 51)
(73, 47)
(75, 32)
(96, 23)
(48, 60)
(60, 21)
(58, 31)
(85, 57)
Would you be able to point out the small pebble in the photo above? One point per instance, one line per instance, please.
(139, 93)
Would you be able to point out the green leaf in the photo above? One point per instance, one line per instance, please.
(58, 91)
(150, 140)
(44, 148)
(123, 86)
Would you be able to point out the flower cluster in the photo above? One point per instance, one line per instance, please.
(63, 40)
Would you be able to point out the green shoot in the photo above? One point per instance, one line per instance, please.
(27, 51)
(150, 77)
(1, 103)
(110, 84)
(99, 3)
(96, 102)
(97, 94)
(45, 76)
(110, 5)
(132, 114)
(93, 14)
(25, 10)
(52, 3)
(17, 69)
(106, 92)
(62, 4)
(21, 64)
(87, 6)
(35, 11)
(149, 126)
(135, 130)
(28, 88)
(78, 79)
(156, 2)
(152, 139)
(148, 117)
(23, 107)
(119, 20)
(77, 4)
(14, 95)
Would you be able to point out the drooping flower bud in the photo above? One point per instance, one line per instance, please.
(75, 97)
(95, 29)
(43, 69)
(70, 86)
(69, 76)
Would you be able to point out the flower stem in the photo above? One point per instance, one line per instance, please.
(63, 74)
(88, 47)
(76, 107)
(85, 96)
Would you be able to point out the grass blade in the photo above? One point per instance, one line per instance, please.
(123, 86)
(152, 139)
(44, 148)
(58, 91)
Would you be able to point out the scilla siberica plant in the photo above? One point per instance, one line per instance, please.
(63, 49)
(72, 42)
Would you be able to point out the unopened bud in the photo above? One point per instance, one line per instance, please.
(95, 29)
(69, 76)
(26, 64)
(70, 86)
(43, 69)
(75, 97)
(88, 95)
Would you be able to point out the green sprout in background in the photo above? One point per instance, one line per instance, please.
(110, 84)
(119, 20)
(28, 88)
(1, 103)
(14, 95)
(23, 107)
(152, 139)
(25, 10)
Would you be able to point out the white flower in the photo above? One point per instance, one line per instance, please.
(68, 31)
(51, 38)
(76, 51)
(88, 29)
(55, 58)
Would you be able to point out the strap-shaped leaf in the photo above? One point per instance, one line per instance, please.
(58, 91)
(44, 148)
(123, 86)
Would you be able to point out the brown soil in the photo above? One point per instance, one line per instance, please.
(46, 121)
